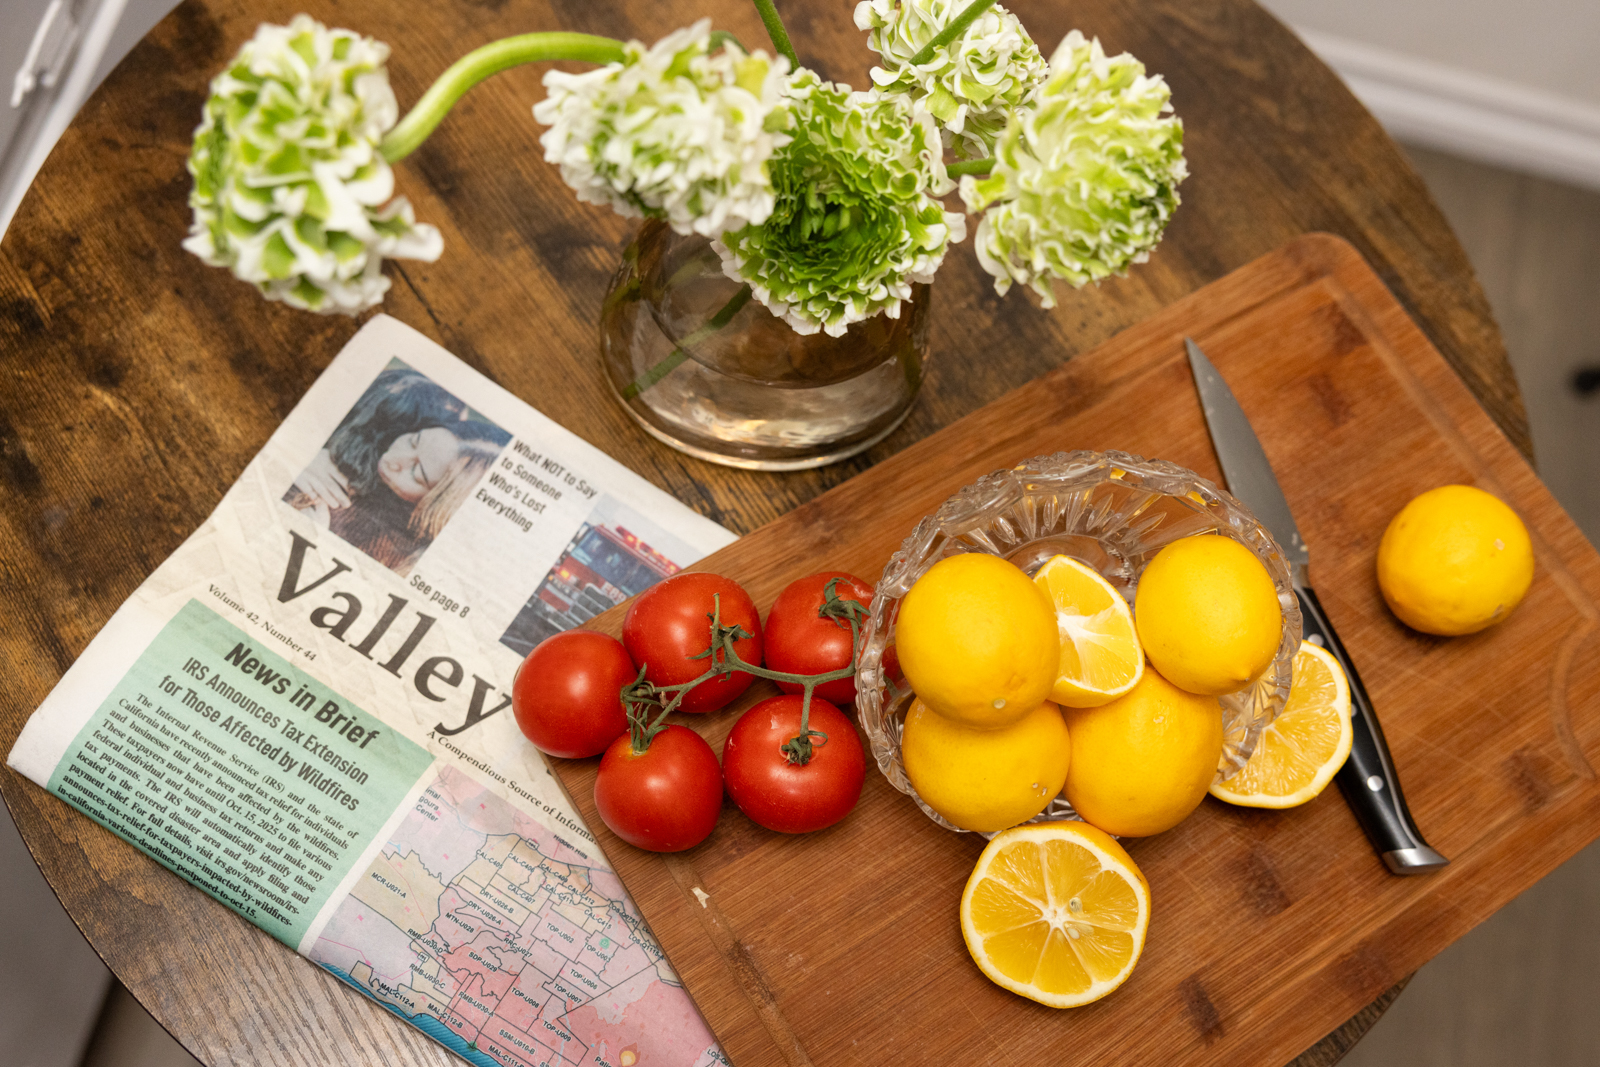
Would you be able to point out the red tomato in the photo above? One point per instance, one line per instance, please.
(798, 641)
(671, 621)
(665, 799)
(784, 796)
(567, 695)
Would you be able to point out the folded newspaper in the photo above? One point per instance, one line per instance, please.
(304, 711)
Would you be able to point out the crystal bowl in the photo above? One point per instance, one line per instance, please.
(1113, 511)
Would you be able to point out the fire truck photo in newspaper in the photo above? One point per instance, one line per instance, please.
(600, 568)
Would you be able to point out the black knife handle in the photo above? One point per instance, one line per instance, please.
(1368, 779)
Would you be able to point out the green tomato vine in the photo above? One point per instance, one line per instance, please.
(648, 704)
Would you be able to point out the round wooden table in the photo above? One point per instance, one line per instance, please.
(140, 382)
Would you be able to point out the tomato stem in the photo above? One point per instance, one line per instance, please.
(641, 695)
(799, 749)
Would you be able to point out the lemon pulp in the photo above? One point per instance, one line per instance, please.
(1100, 654)
(1303, 748)
(1056, 912)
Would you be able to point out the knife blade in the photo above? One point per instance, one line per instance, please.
(1368, 778)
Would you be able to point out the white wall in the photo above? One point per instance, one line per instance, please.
(1551, 46)
(138, 18)
(1515, 83)
(109, 29)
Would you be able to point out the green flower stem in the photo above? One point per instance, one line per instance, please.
(479, 64)
(694, 337)
(970, 166)
(779, 35)
(957, 27)
(722, 37)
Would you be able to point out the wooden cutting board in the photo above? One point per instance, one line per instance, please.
(1268, 928)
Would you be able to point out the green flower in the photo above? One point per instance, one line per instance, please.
(854, 225)
(289, 189)
(971, 84)
(1085, 178)
(672, 132)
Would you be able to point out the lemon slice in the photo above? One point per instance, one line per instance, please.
(1307, 743)
(1055, 912)
(1100, 654)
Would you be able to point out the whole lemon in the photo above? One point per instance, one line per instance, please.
(1455, 560)
(1143, 762)
(977, 640)
(986, 780)
(1208, 614)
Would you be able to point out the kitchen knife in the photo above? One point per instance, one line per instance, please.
(1367, 779)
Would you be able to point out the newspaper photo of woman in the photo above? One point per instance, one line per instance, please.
(398, 466)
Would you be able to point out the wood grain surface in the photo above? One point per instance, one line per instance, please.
(138, 382)
(1267, 928)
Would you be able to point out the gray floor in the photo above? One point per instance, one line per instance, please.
(1523, 989)
(53, 973)
(1536, 247)
(1519, 991)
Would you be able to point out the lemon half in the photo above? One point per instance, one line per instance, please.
(1056, 912)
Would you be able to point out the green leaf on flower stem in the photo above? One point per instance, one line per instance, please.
(238, 226)
(395, 226)
(287, 160)
(311, 233)
(305, 48)
(317, 202)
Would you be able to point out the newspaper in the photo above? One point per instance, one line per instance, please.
(304, 711)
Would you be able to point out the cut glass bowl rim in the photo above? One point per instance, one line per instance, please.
(1116, 508)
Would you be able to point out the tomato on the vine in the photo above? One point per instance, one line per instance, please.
(566, 696)
(799, 641)
(664, 799)
(670, 623)
(789, 797)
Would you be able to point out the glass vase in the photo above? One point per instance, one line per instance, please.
(713, 373)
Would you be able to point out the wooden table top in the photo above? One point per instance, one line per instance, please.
(140, 382)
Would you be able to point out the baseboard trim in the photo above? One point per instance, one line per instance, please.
(24, 160)
(1471, 115)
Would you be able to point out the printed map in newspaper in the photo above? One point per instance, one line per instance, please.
(305, 710)
(508, 943)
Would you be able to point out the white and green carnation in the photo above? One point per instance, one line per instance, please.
(970, 85)
(672, 132)
(290, 191)
(1085, 179)
(854, 225)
